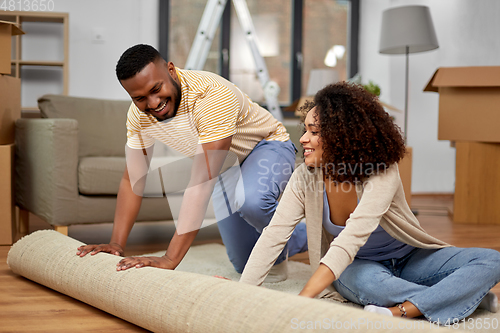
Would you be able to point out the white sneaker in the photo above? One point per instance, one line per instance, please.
(489, 302)
(378, 309)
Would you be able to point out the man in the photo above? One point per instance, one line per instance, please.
(204, 117)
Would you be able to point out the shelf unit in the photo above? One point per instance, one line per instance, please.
(19, 63)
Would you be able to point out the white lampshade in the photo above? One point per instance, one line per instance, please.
(409, 26)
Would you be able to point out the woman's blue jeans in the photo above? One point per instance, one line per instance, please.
(265, 173)
(445, 284)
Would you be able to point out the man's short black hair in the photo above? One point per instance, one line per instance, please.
(135, 59)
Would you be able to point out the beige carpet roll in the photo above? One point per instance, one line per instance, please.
(172, 301)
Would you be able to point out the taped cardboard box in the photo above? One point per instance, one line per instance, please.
(7, 30)
(7, 208)
(477, 195)
(469, 103)
(10, 107)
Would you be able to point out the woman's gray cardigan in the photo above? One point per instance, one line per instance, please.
(381, 201)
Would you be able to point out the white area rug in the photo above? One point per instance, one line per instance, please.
(211, 259)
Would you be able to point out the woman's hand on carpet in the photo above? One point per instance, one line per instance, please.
(112, 248)
(138, 262)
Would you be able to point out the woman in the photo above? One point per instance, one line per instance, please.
(363, 239)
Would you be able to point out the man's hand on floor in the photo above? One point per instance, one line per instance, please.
(138, 262)
(112, 248)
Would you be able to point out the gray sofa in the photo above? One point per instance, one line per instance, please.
(69, 164)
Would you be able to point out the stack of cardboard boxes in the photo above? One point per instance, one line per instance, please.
(469, 116)
(10, 110)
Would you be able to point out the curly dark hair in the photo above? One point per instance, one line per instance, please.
(134, 59)
(359, 138)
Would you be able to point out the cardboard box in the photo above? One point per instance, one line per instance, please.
(469, 99)
(7, 208)
(7, 30)
(10, 107)
(301, 102)
(477, 195)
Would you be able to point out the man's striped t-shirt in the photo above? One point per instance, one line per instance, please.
(211, 109)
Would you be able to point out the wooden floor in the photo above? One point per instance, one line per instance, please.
(28, 307)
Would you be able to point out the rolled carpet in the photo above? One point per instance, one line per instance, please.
(172, 301)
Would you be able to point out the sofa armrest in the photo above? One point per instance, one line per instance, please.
(46, 168)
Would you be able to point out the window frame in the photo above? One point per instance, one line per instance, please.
(297, 18)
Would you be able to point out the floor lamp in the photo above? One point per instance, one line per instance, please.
(407, 30)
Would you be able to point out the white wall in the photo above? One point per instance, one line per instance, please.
(122, 23)
(467, 32)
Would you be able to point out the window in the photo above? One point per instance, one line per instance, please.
(325, 33)
(272, 23)
(311, 27)
(185, 16)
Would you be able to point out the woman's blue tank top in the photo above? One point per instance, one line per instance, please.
(379, 246)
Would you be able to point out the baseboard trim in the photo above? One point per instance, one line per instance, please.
(432, 194)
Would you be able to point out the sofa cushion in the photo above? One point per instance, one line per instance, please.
(101, 123)
(102, 175)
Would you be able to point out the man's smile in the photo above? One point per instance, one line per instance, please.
(160, 108)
